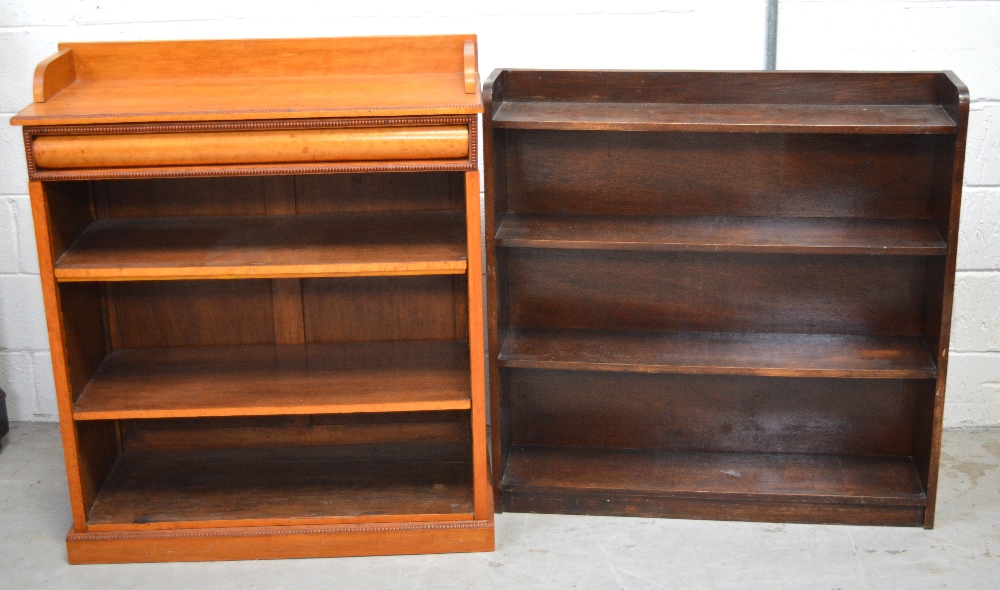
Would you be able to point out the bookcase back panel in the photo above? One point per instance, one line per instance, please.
(654, 173)
(348, 193)
(281, 195)
(715, 413)
(305, 430)
(154, 314)
(774, 87)
(715, 292)
(179, 197)
(367, 309)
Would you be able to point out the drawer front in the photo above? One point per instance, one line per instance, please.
(354, 144)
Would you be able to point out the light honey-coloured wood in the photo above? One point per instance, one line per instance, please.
(269, 58)
(252, 147)
(471, 69)
(294, 409)
(57, 342)
(53, 75)
(266, 246)
(256, 79)
(340, 378)
(477, 359)
(282, 542)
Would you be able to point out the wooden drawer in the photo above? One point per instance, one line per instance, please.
(352, 144)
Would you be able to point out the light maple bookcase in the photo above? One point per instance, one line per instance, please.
(262, 276)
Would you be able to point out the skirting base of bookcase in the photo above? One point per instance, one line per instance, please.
(279, 542)
(699, 509)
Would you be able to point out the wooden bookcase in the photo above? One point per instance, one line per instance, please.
(721, 295)
(257, 260)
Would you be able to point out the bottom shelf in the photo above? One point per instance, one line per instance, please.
(155, 489)
(719, 486)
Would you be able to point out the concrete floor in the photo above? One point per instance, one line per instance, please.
(545, 551)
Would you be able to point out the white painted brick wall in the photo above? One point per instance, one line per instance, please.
(680, 34)
(962, 36)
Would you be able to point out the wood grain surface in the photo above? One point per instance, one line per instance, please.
(304, 485)
(266, 246)
(257, 79)
(741, 118)
(788, 235)
(357, 144)
(715, 353)
(283, 379)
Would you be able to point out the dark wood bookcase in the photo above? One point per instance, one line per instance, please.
(721, 295)
(257, 259)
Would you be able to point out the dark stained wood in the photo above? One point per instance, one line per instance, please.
(304, 485)
(714, 413)
(760, 477)
(716, 292)
(670, 506)
(268, 432)
(711, 174)
(948, 188)
(181, 197)
(719, 353)
(768, 87)
(266, 246)
(740, 118)
(785, 235)
(289, 323)
(285, 379)
(384, 308)
(352, 193)
(692, 274)
(157, 314)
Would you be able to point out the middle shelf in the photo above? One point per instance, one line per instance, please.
(278, 379)
(718, 353)
(784, 235)
(267, 246)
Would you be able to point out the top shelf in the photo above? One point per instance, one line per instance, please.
(750, 118)
(735, 102)
(173, 81)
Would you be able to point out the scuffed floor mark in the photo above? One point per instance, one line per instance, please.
(974, 470)
(992, 448)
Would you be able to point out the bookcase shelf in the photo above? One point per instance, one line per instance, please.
(721, 118)
(262, 278)
(358, 244)
(786, 235)
(149, 490)
(713, 353)
(277, 379)
(721, 295)
(804, 487)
